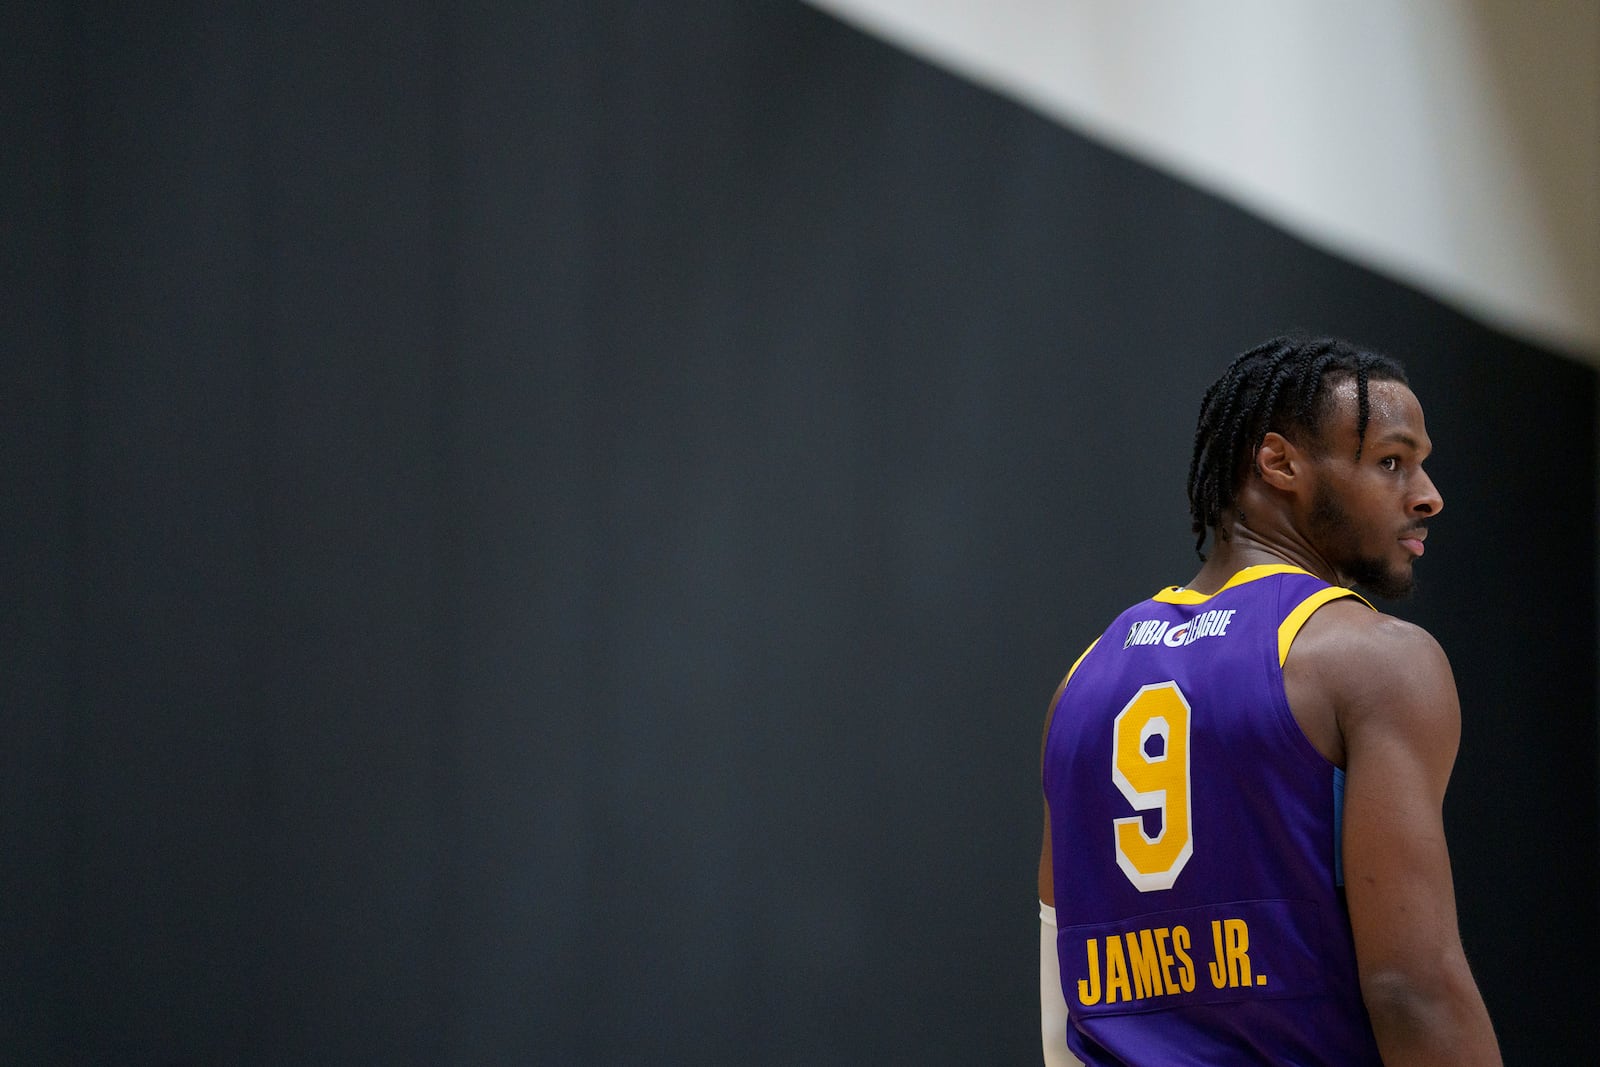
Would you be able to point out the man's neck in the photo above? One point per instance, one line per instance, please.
(1242, 548)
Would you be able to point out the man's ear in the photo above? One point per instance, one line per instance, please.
(1278, 461)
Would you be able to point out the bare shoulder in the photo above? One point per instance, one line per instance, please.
(1350, 648)
(1372, 675)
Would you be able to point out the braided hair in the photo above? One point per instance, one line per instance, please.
(1282, 385)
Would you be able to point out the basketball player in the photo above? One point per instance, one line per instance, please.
(1244, 857)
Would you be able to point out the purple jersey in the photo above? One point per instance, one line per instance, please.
(1195, 832)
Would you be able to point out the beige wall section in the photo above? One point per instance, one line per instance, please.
(1452, 144)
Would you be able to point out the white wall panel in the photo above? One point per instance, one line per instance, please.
(1454, 145)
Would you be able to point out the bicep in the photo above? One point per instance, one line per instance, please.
(1047, 881)
(1400, 746)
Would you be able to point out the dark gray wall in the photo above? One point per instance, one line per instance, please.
(545, 535)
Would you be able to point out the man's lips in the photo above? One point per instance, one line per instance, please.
(1414, 544)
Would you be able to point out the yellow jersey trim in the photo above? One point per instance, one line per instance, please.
(1177, 594)
(1289, 628)
(1079, 660)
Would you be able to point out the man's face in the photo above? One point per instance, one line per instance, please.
(1368, 515)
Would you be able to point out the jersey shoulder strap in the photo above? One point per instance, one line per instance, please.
(1289, 628)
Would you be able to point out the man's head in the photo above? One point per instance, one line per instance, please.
(1317, 407)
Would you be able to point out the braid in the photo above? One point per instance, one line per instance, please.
(1363, 409)
(1283, 385)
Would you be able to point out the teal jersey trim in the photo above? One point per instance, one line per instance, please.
(1338, 827)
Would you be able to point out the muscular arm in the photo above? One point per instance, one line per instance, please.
(1394, 701)
(1047, 882)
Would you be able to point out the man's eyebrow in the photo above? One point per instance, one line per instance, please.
(1399, 437)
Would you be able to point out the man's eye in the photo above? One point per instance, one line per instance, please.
(1389, 463)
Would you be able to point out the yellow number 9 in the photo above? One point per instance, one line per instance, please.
(1151, 783)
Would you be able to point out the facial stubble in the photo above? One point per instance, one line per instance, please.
(1339, 539)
